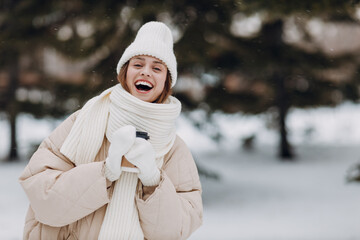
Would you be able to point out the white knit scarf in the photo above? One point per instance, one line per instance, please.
(104, 114)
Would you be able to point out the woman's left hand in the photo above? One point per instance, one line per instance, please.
(142, 155)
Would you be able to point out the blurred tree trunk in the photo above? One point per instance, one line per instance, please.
(282, 103)
(10, 54)
(12, 105)
(273, 33)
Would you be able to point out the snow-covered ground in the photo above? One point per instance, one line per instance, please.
(260, 198)
(257, 197)
(13, 202)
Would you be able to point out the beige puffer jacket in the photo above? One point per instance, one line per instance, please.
(68, 202)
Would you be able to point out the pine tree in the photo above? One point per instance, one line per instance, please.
(95, 32)
(272, 71)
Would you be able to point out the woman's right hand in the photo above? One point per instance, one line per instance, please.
(122, 141)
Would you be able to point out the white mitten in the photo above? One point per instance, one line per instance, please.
(122, 140)
(142, 155)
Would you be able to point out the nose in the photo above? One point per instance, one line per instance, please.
(145, 72)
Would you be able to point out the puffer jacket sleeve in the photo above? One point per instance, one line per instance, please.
(174, 209)
(60, 193)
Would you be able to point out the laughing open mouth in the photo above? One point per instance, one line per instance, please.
(143, 86)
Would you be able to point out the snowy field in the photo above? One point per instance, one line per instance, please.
(257, 197)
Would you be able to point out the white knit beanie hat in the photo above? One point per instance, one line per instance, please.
(153, 39)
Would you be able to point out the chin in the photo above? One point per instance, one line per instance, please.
(146, 100)
(143, 98)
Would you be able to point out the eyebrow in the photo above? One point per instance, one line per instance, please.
(155, 61)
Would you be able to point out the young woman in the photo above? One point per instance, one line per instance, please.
(92, 178)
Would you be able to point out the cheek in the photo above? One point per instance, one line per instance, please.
(128, 85)
(161, 85)
(129, 73)
(129, 78)
(162, 80)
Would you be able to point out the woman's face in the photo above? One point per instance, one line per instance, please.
(145, 77)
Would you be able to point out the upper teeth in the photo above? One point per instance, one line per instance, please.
(143, 83)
